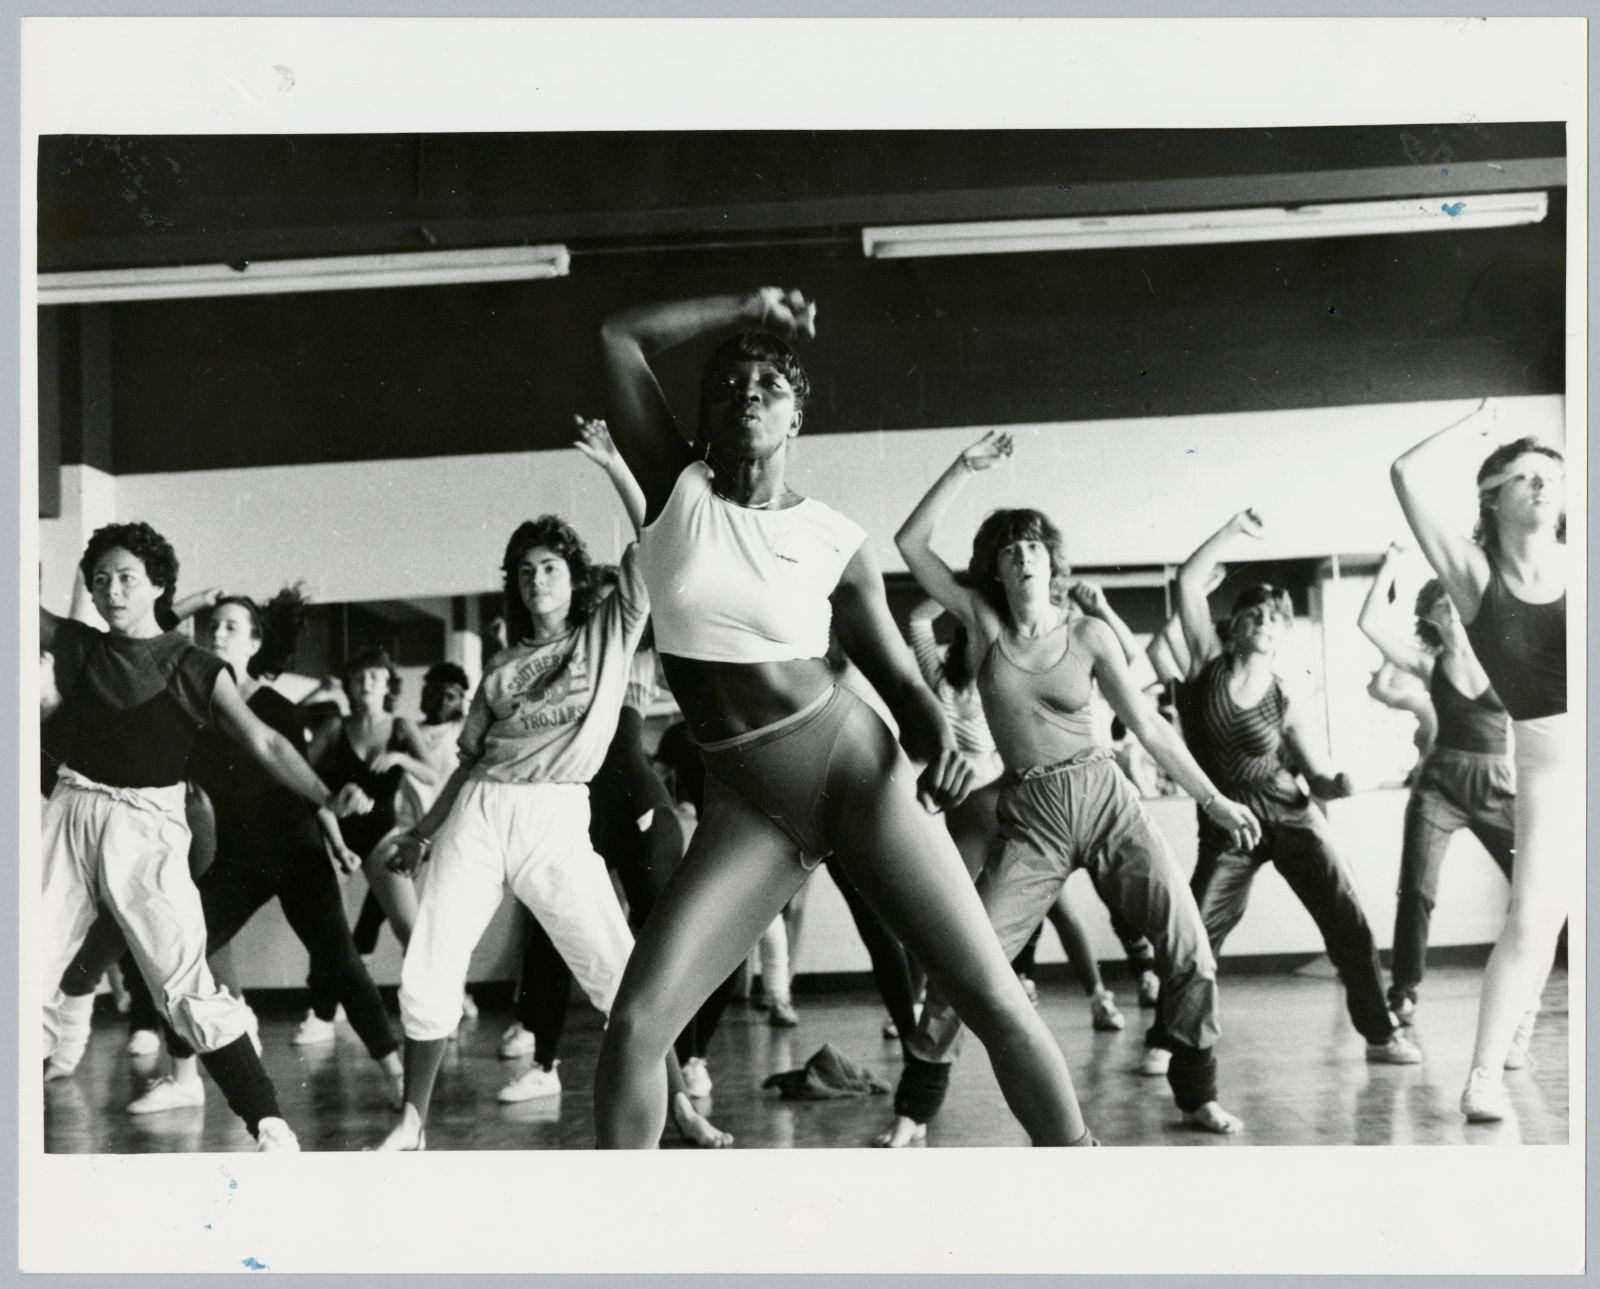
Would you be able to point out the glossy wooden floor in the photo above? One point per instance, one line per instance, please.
(1291, 1067)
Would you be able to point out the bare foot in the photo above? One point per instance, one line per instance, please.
(407, 1134)
(902, 1133)
(695, 1128)
(1212, 1118)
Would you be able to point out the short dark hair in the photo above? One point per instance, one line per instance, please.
(1004, 528)
(147, 546)
(554, 534)
(276, 624)
(1432, 593)
(756, 347)
(373, 658)
(1487, 531)
(1262, 593)
(446, 673)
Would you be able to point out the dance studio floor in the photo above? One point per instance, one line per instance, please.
(1291, 1067)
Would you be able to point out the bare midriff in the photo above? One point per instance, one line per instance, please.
(721, 700)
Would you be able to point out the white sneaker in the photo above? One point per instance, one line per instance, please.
(1484, 1100)
(313, 1030)
(275, 1134)
(1155, 1062)
(516, 1043)
(1399, 1050)
(1103, 1012)
(144, 1042)
(536, 1083)
(696, 1077)
(890, 1029)
(166, 1093)
(1149, 989)
(1519, 1054)
(469, 1006)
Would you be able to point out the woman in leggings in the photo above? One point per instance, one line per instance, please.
(1064, 803)
(134, 699)
(1250, 739)
(1465, 781)
(1509, 585)
(747, 576)
(267, 845)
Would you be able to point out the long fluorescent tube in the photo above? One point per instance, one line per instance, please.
(278, 277)
(1261, 224)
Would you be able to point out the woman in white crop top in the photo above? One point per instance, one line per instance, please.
(745, 575)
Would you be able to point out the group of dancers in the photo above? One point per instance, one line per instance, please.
(951, 835)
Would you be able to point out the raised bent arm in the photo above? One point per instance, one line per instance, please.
(1426, 480)
(1395, 649)
(919, 633)
(915, 537)
(594, 441)
(1194, 609)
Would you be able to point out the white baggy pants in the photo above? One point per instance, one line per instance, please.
(533, 838)
(127, 849)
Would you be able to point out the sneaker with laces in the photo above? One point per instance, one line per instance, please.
(313, 1030)
(144, 1042)
(275, 1134)
(1484, 1099)
(1399, 1050)
(696, 1077)
(1103, 1012)
(167, 1093)
(1520, 1053)
(535, 1083)
(1149, 989)
(1155, 1062)
(782, 1015)
(516, 1043)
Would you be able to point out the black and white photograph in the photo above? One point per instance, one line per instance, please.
(570, 627)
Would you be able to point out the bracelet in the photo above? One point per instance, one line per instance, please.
(425, 842)
(1205, 806)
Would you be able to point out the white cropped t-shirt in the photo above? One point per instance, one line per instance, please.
(733, 584)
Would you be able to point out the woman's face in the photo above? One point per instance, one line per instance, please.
(231, 635)
(544, 580)
(368, 688)
(749, 411)
(1024, 570)
(1536, 493)
(122, 591)
(1259, 629)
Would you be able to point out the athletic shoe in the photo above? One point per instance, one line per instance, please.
(1399, 1050)
(890, 1029)
(144, 1042)
(516, 1043)
(537, 1082)
(1103, 1010)
(275, 1134)
(1403, 1009)
(167, 1093)
(1519, 1054)
(313, 1031)
(696, 1078)
(1029, 988)
(469, 1006)
(1149, 989)
(1155, 1062)
(782, 1015)
(1484, 1100)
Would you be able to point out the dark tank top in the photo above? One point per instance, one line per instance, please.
(1467, 724)
(250, 804)
(131, 709)
(1241, 749)
(342, 765)
(1523, 648)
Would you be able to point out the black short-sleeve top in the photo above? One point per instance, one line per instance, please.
(131, 709)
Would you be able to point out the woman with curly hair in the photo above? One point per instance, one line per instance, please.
(135, 699)
(1509, 584)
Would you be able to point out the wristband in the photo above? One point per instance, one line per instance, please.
(425, 842)
(1210, 801)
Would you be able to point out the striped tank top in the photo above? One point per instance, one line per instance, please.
(1241, 749)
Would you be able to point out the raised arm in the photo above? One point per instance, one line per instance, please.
(1402, 653)
(1169, 651)
(594, 441)
(650, 440)
(1139, 714)
(915, 537)
(1091, 598)
(919, 632)
(867, 631)
(1195, 581)
(1429, 480)
(196, 603)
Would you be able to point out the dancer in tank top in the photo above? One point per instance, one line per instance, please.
(1064, 803)
(1242, 728)
(747, 577)
(1509, 584)
(1465, 782)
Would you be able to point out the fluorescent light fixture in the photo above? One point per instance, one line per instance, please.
(279, 277)
(1186, 228)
